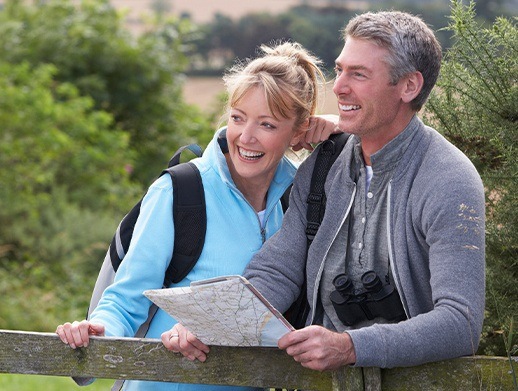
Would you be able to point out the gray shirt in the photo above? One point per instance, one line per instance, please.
(436, 216)
(361, 244)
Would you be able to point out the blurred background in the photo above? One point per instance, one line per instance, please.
(96, 95)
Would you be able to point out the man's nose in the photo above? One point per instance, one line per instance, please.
(341, 85)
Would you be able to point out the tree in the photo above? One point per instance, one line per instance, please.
(63, 185)
(476, 107)
(86, 109)
(137, 80)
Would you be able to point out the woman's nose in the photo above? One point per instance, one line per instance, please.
(248, 134)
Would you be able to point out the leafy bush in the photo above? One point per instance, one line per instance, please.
(89, 115)
(476, 107)
(136, 80)
(63, 179)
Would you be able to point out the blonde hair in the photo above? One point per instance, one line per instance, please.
(289, 75)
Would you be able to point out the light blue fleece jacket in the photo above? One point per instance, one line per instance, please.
(436, 237)
(233, 236)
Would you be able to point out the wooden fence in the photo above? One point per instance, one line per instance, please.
(146, 359)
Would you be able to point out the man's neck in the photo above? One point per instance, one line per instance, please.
(373, 143)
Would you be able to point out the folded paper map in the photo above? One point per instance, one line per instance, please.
(225, 311)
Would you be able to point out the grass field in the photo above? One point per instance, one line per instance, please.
(10, 382)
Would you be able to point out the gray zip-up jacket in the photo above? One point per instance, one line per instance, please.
(436, 236)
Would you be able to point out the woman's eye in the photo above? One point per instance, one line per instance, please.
(268, 125)
(235, 118)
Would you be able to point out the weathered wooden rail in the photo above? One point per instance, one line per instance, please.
(147, 359)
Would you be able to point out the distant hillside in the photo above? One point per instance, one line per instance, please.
(201, 11)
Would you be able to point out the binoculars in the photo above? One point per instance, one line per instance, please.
(374, 301)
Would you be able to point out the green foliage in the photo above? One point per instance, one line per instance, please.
(86, 109)
(305, 27)
(476, 107)
(51, 137)
(63, 179)
(138, 81)
(221, 40)
(318, 28)
(47, 277)
(224, 39)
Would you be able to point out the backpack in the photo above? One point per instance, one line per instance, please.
(190, 222)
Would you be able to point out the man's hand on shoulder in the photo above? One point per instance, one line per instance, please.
(318, 348)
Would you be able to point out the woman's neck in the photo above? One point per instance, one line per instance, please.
(255, 192)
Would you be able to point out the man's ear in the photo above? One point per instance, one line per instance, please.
(413, 84)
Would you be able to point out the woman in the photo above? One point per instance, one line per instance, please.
(271, 101)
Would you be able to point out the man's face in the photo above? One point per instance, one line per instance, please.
(368, 104)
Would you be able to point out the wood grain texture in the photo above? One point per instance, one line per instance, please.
(146, 359)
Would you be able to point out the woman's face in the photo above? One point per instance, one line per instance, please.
(256, 140)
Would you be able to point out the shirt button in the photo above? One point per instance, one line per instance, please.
(370, 195)
(363, 220)
(360, 245)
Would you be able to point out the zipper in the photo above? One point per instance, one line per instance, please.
(262, 229)
(321, 269)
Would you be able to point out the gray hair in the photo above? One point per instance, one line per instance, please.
(411, 44)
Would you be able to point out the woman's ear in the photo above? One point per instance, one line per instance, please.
(413, 84)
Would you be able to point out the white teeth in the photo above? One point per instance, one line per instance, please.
(250, 154)
(348, 107)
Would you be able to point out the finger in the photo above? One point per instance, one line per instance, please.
(293, 338)
(321, 127)
(84, 333)
(194, 341)
(170, 339)
(303, 145)
(76, 335)
(193, 353)
(166, 339)
(61, 333)
(314, 131)
(77, 332)
(320, 133)
(191, 347)
(67, 333)
(96, 329)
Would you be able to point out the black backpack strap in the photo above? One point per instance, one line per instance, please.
(328, 151)
(122, 237)
(285, 199)
(194, 148)
(327, 154)
(190, 220)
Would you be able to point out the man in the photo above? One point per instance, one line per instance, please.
(403, 204)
